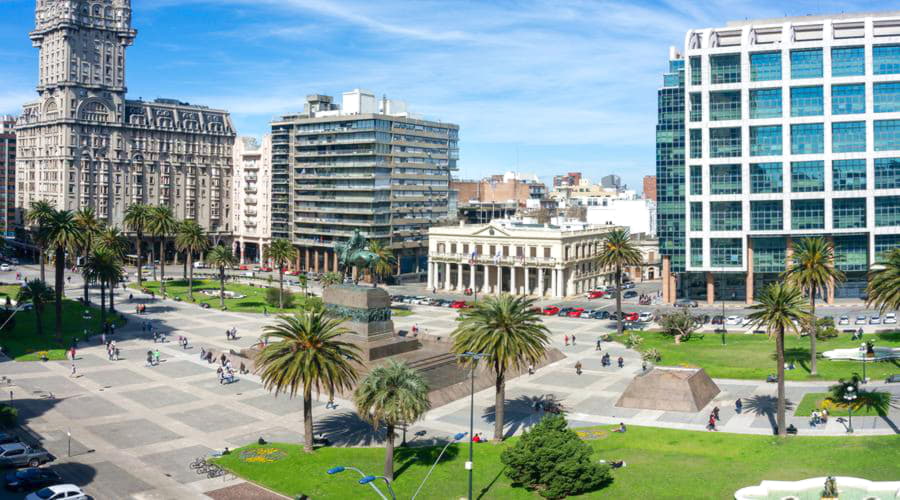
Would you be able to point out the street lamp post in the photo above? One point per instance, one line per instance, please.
(723, 321)
(455, 438)
(475, 357)
(342, 468)
(371, 479)
(863, 350)
(850, 397)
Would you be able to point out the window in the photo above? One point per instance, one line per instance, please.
(769, 255)
(806, 63)
(725, 105)
(725, 216)
(887, 173)
(807, 176)
(848, 61)
(807, 138)
(696, 180)
(886, 97)
(725, 179)
(766, 215)
(851, 253)
(726, 252)
(725, 68)
(887, 135)
(848, 99)
(807, 214)
(848, 213)
(887, 211)
(696, 252)
(765, 66)
(765, 141)
(725, 142)
(885, 243)
(848, 175)
(886, 59)
(696, 216)
(696, 107)
(696, 71)
(765, 103)
(807, 101)
(766, 178)
(696, 143)
(848, 137)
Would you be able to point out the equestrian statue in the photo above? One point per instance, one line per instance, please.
(355, 255)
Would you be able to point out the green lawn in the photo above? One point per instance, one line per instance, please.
(753, 356)
(661, 464)
(814, 400)
(23, 344)
(253, 302)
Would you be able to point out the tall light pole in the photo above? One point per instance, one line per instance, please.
(342, 468)
(850, 397)
(863, 352)
(454, 439)
(474, 357)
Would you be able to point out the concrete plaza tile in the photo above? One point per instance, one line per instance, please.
(87, 406)
(157, 397)
(116, 377)
(239, 386)
(281, 405)
(272, 435)
(184, 368)
(59, 385)
(8, 368)
(604, 407)
(579, 348)
(126, 434)
(524, 392)
(616, 384)
(209, 331)
(566, 379)
(87, 361)
(176, 463)
(213, 418)
(109, 480)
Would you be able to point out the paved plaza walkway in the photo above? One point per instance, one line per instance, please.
(134, 429)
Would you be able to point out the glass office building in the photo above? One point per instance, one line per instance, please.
(794, 131)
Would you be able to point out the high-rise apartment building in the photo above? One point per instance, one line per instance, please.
(84, 144)
(7, 176)
(570, 179)
(368, 165)
(793, 130)
(252, 195)
(650, 187)
(611, 181)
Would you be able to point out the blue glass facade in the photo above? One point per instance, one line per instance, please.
(886, 59)
(807, 138)
(807, 176)
(766, 178)
(806, 63)
(670, 168)
(848, 61)
(725, 142)
(725, 68)
(807, 214)
(725, 179)
(765, 66)
(886, 96)
(765, 141)
(848, 137)
(887, 135)
(807, 101)
(848, 99)
(848, 175)
(765, 103)
(887, 173)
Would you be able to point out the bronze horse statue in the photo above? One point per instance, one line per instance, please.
(355, 253)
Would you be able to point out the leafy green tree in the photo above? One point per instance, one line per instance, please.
(383, 263)
(616, 252)
(137, 218)
(779, 309)
(103, 267)
(38, 217)
(38, 292)
(509, 330)
(280, 252)
(162, 225)
(551, 459)
(304, 283)
(811, 268)
(331, 278)
(307, 355)
(64, 235)
(680, 325)
(282, 299)
(220, 257)
(392, 394)
(191, 239)
(90, 227)
(884, 282)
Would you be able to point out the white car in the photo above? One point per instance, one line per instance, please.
(875, 320)
(844, 320)
(734, 320)
(746, 322)
(58, 492)
(5, 267)
(861, 319)
(645, 317)
(890, 319)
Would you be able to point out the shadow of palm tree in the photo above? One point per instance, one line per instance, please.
(425, 455)
(766, 406)
(348, 429)
(522, 412)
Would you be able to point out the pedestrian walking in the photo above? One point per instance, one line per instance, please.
(715, 412)
(222, 359)
(73, 368)
(573, 339)
(202, 353)
(738, 406)
(156, 356)
(531, 369)
(711, 426)
(599, 342)
(621, 362)
(566, 339)
(578, 368)
(149, 358)
(103, 339)
(115, 353)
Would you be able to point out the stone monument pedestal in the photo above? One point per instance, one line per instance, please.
(368, 313)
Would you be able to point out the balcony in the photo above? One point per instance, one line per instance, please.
(250, 201)
(249, 223)
(250, 212)
(250, 190)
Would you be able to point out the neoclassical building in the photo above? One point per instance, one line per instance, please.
(252, 197)
(507, 256)
(83, 144)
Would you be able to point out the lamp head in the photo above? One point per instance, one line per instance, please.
(367, 480)
(336, 470)
(459, 436)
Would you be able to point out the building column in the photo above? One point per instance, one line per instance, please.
(666, 276)
(316, 260)
(540, 283)
(512, 281)
(673, 287)
(448, 281)
(710, 288)
(335, 266)
(306, 256)
(430, 276)
(527, 287)
(472, 283)
(553, 284)
(486, 279)
(749, 279)
(459, 277)
(499, 289)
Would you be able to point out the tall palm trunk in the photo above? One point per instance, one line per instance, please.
(619, 299)
(189, 271)
(152, 259)
(41, 258)
(112, 293)
(102, 305)
(187, 257)
(39, 314)
(60, 282)
(87, 252)
(812, 333)
(779, 355)
(222, 287)
(162, 267)
(499, 410)
(307, 420)
(280, 287)
(389, 452)
(140, 277)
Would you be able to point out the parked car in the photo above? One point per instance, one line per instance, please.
(861, 319)
(31, 478)
(8, 438)
(890, 319)
(58, 492)
(734, 320)
(645, 316)
(718, 320)
(5, 267)
(610, 295)
(460, 304)
(875, 320)
(20, 455)
(595, 294)
(564, 311)
(631, 316)
(628, 285)
(600, 315)
(685, 303)
(630, 294)
(844, 320)
(575, 312)
(550, 311)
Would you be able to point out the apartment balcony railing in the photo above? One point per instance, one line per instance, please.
(250, 190)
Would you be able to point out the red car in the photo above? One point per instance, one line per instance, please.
(266, 269)
(460, 304)
(595, 294)
(631, 316)
(576, 313)
(550, 311)
(243, 268)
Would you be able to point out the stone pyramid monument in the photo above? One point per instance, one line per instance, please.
(670, 389)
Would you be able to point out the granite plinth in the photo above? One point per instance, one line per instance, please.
(368, 311)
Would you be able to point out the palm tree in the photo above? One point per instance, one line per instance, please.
(137, 216)
(162, 224)
(618, 251)
(91, 227)
(393, 394)
(307, 355)
(304, 283)
(883, 289)
(190, 239)
(221, 257)
(38, 292)
(280, 252)
(114, 241)
(64, 235)
(510, 332)
(780, 309)
(38, 216)
(103, 266)
(384, 260)
(812, 269)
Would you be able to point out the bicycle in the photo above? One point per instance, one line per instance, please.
(215, 471)
(198, 462)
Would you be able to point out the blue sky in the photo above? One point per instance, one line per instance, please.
(544, 86)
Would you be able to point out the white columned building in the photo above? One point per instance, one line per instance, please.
(511, 256)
